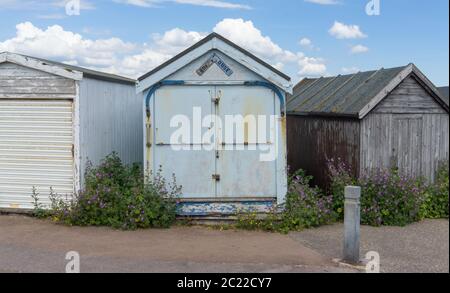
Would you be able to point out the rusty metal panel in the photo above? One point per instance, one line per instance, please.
(224, 209)
(312, 140)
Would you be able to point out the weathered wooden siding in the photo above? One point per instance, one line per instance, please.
(18, 82)
(110, 120)
(409, 98)
(408, 130)
(313, 140)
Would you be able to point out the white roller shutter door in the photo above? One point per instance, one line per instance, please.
(36, 138)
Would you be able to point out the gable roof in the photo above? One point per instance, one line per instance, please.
(218, 42)
(61, 69)
(353, 95)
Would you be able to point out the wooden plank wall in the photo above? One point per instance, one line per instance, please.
(18, 82)
(408, 130)
(311, 140)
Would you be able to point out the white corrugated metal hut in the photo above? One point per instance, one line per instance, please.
(218, 79)
(53, 119)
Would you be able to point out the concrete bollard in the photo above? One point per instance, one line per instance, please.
(352, 222)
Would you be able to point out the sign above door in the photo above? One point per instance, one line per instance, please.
(215, 59)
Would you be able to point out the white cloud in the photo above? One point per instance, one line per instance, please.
(140, 3)
(323, 2)
(133, 59)
(176, 40)
(342, 31)
(305, 42)
(358, 49)
(59, 44)
(246, 35)
(42, 4)
(214, 3)
(207, 3)
(349, 70)
(310, 66)
(111, 55)
(84, 4)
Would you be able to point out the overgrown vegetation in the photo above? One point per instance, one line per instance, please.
(388, 198)
(116, 195)
(305, 207)
(436, 198)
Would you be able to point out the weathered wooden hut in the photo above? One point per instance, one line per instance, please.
(54, 118)
(377, 119)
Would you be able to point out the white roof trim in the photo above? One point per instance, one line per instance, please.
(230, 51)
(411, 68)
(40, 65)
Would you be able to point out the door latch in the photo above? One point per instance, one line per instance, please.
(216, 100)
(216, 177)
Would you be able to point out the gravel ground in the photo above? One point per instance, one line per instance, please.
(418, 248)
(30, 245)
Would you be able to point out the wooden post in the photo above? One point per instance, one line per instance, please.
(352, 221)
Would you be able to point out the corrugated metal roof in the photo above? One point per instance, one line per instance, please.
(342, 95)
(86, 72)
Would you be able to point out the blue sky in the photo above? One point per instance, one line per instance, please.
(129, 37)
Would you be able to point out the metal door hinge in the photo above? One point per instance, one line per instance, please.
(216, 177)
(73, 151)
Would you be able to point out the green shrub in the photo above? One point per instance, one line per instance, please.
(436, 204)
(340, 176)
(116, 195)
(387, 198)
(390, 199)
(305, 207)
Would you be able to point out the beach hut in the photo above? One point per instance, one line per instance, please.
(232, 154)
(54, 118)
(387, 118)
